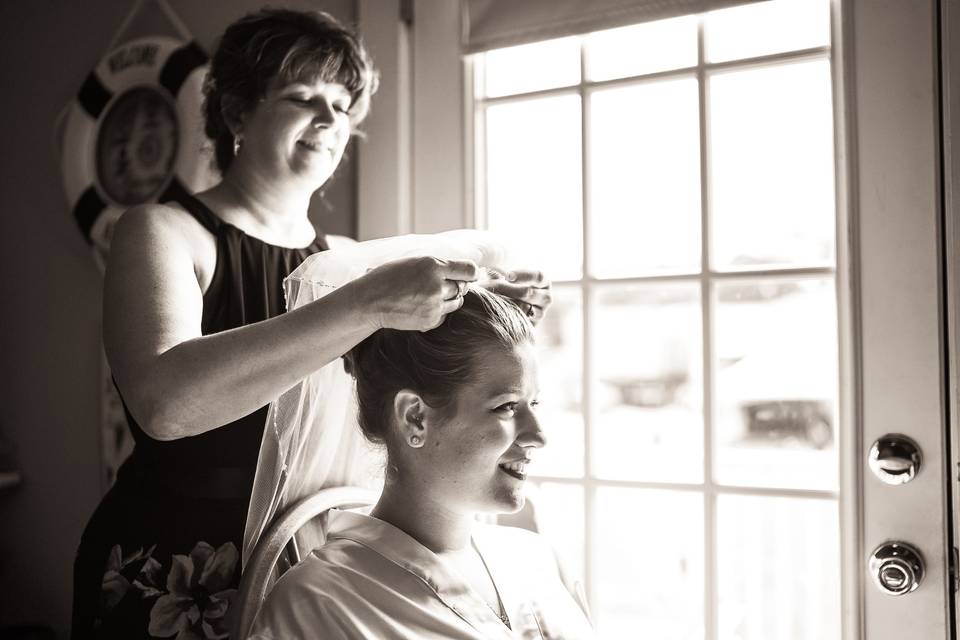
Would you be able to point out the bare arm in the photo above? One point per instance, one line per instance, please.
(177, 382)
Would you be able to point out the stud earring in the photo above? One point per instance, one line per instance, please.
(236, 145)
(415, 441)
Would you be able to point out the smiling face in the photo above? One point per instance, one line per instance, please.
(474, 460)
(297, 133)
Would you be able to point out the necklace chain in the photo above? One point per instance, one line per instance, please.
(502, 614)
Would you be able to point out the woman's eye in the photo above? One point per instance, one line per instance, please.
(508, 407)
(341, 108)
(534, 403)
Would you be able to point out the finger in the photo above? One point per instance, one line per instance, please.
(449, 306)
(450, 289)
(466, 270)
(527, 277)
(533, 295)
(533, 312)
(539, 297)
(493, 273)
(453, 288)
(446, 307)
(505, 289)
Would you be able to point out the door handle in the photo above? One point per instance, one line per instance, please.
(896, 568)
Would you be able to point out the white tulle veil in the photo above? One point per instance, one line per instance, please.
(312, 439)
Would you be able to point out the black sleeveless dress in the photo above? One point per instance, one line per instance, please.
(160, 556)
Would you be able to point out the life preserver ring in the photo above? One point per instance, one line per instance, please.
(134, 134)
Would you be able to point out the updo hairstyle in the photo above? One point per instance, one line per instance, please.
(434, 364)
(289, 45)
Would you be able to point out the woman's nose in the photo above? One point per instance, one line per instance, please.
(324, 115)
(531, 433)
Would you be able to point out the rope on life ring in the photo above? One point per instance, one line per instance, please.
(134, 134)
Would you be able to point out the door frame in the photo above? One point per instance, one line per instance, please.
(893, 135)
(950, 101)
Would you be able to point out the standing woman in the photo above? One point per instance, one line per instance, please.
(195, 333)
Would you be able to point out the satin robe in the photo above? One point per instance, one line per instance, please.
(372, 580)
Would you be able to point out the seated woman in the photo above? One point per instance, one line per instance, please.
(455, 408)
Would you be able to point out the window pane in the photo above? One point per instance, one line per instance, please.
(648, 554)
(559, 509)
(766, 27)
(642, 48)
(531, 67)
(776, 384)
(533, 181)
(771, 166)
(778, 568)
(645, 179)
(647, 361)
(560, 356)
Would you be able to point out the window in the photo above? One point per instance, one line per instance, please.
(676, 181)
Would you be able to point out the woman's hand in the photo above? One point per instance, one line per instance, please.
(415, 294)
(529, 289)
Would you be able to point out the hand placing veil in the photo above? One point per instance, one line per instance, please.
(486, 265)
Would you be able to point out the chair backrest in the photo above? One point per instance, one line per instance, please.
(258, 574)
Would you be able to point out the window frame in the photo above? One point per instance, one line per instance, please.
(840, 272)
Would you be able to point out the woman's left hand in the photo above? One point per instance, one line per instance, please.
(530, 289)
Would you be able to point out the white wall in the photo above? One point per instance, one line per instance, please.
(411, 168)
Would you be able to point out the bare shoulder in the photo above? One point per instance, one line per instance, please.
(164, 233)
(156, 222)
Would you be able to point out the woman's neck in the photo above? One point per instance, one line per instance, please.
(262, 209)
(429, 523)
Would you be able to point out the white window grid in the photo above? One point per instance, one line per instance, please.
(706, 279)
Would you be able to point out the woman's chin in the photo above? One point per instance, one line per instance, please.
(315, 168)
(509, 502)
(314, 178)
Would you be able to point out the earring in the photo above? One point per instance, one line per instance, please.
(236, 145)
(415, 441)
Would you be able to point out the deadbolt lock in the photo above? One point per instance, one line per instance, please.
(895, 459)
(896, 568)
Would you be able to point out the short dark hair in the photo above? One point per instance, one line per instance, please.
(285, 44)
(434, 364)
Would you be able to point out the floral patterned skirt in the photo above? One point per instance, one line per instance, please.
(155, 563)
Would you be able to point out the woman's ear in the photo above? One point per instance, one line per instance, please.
(233, 110)
(410, 416)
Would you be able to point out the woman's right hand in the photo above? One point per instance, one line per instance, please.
(415, 294)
